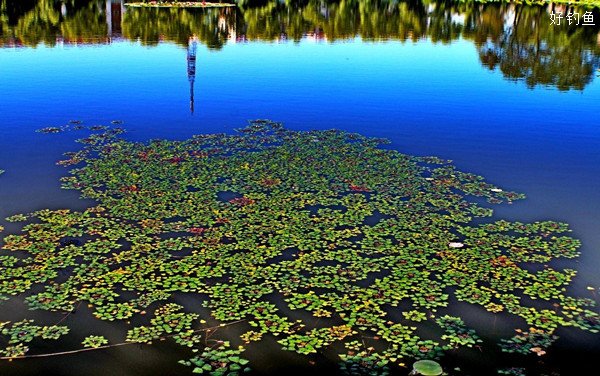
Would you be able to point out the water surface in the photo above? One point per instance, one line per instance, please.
(493, 87)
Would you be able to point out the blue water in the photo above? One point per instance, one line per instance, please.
(427, 98)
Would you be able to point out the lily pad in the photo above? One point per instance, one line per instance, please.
(427, 368)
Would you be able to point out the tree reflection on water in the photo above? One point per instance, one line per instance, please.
(519, 40)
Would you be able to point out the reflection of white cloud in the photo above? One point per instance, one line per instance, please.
(232, 35)
(509, 17)
(458, 18)
(316, 36)
(222, 23)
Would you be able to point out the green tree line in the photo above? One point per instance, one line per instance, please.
(526, 47)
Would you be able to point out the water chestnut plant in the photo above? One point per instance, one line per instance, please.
(321, 240)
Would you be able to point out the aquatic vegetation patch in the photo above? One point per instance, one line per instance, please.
(20, 333)
(76, 125)
(364, 363)
(219, 361)
(524, 342)
(270, 227)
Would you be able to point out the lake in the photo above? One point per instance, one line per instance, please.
(494, 87)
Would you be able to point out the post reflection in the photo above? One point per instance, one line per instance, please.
(191, 68)
(114, 15)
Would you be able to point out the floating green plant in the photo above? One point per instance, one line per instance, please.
(532, 341)
(22, 332)
(364, 363)
(315, 238)
(427, 368)
(94, 341)
(219, 361)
